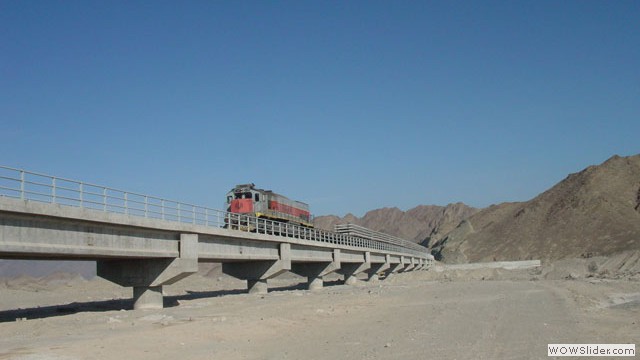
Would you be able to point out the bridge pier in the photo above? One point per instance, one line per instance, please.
(314, 271)
(147, 276)
(257, 286)
(394, 268)
(147, 297)
(258, 272)
(409, 265)
(376, 268)
(315, 283)
(351, 270)
(420, 264)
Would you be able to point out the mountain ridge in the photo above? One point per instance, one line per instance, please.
(419, 224)
(589, 213)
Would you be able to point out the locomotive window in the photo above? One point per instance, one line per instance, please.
(257, 197)
(228, 199)
(247, 195)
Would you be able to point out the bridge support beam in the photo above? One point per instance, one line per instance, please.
(427, 264)
(147, 297)
(393, 269)
(413, 265)
(404, 265)
(148, 276)
(351, 270)
(258, 272)
(314, 271)
(377, 268)
(420, 264)
(409, 265)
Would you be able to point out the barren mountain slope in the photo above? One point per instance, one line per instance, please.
(417, 224)
(593, 212)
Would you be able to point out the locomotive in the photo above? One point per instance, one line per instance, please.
(248, 200)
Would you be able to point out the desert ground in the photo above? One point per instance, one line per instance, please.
(436, 314)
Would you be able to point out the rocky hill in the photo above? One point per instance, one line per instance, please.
(422, 224)
(590, 213)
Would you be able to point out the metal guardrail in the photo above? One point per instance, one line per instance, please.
(27, 185)
(363, 232)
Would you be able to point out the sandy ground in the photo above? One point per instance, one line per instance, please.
(438, 314)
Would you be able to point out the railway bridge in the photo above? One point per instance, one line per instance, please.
(145, 242)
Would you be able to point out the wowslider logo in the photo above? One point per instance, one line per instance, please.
(591, 350)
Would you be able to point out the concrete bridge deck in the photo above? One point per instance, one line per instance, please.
(145, 242)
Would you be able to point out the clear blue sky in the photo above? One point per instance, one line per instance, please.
(346, 105)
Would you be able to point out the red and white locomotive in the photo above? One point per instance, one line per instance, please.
(248, 200)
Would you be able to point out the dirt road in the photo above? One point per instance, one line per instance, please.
(407, 316)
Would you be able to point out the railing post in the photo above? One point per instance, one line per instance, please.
(193, 209)
(179, 213)
(206, 216)
(81, 195)
(126, 204)
(53, 190)
(21, 184)
(162, 208)
(146, 206)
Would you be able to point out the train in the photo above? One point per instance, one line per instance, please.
(248, 200)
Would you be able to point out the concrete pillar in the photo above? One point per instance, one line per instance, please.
(315, 283)
(258, 286)
(351, 270)
(147, 297)
(410, 265)
(375, 269)
(428, 262)
(314, 271)
(147, 276)
(405, 264)
(350, 279)
(393, 268)
(258, 272)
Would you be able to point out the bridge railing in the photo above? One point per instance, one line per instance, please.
(27, 185)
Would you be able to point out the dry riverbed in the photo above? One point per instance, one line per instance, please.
(478, 314)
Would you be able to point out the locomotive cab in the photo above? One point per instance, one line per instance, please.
(242, 199)
(246, 199)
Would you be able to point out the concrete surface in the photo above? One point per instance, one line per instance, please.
(147, 254)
